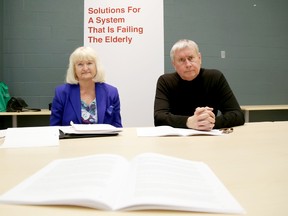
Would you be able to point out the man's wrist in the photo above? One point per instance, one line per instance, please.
(189, 122)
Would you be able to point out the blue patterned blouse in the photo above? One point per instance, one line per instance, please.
(89, 112)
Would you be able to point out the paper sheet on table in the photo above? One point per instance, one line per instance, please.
(2, 133)
(31, 137)
(170, 131)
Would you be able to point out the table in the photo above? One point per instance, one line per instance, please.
(252, 162)
(26, 113)
(248, 108)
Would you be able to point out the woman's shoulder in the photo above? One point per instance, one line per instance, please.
(106, 86)
(66, 87)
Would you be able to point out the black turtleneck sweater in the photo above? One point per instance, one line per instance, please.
(177, 99)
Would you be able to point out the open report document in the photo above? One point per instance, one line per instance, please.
(110, 182)
(23, 137)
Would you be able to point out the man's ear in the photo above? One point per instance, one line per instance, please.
(200, 58)
(173, 64)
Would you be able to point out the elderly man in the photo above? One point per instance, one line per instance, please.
(192, 96)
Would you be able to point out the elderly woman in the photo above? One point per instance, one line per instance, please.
(85, 98)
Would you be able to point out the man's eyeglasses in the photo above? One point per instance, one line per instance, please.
(189, 59)
(226, 130)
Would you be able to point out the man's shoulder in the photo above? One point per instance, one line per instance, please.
(210, 72)
(169, 76)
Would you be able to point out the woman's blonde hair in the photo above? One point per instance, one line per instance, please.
(84, 54)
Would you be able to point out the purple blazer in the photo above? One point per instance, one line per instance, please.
(66, 105)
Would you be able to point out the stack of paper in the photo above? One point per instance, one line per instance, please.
(31, 137)
(83, 130)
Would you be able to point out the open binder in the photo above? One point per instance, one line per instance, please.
(87, 130)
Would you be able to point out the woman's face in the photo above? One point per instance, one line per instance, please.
(85, 70)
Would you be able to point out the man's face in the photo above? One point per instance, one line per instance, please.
(187, 63)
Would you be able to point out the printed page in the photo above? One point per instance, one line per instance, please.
(3, 133)
(31, 137)
(163, 182)
(170, 131)
(85, 181)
